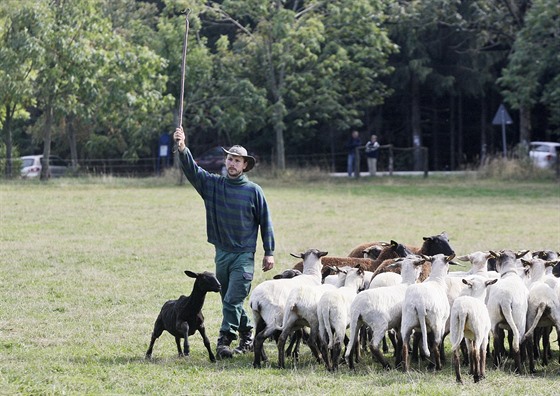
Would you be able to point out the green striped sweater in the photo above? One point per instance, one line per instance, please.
(235, 209)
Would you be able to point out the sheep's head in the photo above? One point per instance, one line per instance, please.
(206, 281)
(437, 244)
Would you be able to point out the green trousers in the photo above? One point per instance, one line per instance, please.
(235, 273)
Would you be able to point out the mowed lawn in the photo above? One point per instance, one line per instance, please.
(87, 263)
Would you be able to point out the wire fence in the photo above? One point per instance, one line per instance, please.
(390, 159)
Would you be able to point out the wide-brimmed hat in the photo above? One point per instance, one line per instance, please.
(241, 152)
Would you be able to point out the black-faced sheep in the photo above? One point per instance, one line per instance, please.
(182, 317)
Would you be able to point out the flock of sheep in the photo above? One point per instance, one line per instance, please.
(409, 295)
(404, 293)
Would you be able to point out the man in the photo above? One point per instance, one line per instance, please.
(372, 150)
(235, 210)
(353, 143)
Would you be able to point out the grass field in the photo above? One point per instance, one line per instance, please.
(87, 263)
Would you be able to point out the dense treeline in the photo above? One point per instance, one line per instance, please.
(101, 78)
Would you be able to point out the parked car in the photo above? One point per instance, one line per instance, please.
(544, 154)
(31, 166)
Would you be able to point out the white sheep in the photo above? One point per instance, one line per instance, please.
(426, 308)
(381, 310)
(333, 311)
(478, 262)
(507, 306)
(543, 306)
(469, 320)
(385, 279)
(268, 300)
(300, 312)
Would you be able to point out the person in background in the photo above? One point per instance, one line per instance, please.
(353, 143)
(235, 211)
(372, 151)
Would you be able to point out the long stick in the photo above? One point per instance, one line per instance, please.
(183, 63)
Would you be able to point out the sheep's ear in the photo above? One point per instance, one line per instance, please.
(521, 253)
(279, 276)
(526, 263)
(551, 263)
(385, 244)
(463, 258)
(467, 282)
(394, 243)
(420, 261)
(323, 254)
(191, 274)
(494, 254)
(490, 282)
(300, 255)
(450, 257)
(427, 258)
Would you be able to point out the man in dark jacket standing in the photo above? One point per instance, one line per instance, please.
(235, 210)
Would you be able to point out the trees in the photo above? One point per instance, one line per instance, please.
(18, 52)
(532, 75)
(100, 78)
(318, 61)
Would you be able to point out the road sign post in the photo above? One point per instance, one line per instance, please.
(502, 118)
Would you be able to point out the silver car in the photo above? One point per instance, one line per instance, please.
(544, 154)
(31, 166)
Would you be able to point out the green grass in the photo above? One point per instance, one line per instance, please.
(87, 263)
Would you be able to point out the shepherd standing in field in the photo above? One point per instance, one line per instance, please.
(235, 210)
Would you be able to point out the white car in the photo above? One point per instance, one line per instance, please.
(544, 154)
(31, 166)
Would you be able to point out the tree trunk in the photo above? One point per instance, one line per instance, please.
(434, 147)
(452, 132)
(47, 137)
(415, 120)
(459, 147)
(483, 126)
(525, 125)
(71, 134)
(279, 133)
(7, 132)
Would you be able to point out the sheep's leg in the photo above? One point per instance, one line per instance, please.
(398, 350)
(464, 352)
(547, 352)
(378, 337)
(416, 338)
(405, 333)
(294, 344)
(498, 345)
(258, 346)
(281, 345)
(183, 328)
(529, 344)
(337, 348)
(257, 349)
(312, 343)
(202, 331)
(457, 365)
(393, 338)
(483, 354)
(156, 333)
(475, 356)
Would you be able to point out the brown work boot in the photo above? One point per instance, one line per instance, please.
(245, 342)
(223, 350)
